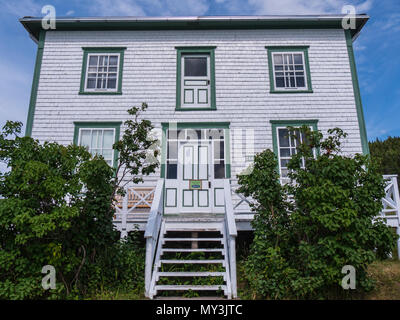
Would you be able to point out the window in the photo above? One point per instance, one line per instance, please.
(217, 139)
(289, 70)
(98, 138)
(195, 79)
(102, 70)
(285, 146)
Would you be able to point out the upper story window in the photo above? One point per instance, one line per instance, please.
(102, 70)
(98, 138)
(289, 70)
(195, 79)
(286, 146)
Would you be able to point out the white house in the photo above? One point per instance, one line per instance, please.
(219, 89)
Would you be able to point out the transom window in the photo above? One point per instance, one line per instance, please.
(289, 70)
(99, 142)
(217, 138)
(102, 71)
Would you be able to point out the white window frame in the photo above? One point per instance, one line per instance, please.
(91, 132)
(108, 54)
(305, 88)
(286, 179)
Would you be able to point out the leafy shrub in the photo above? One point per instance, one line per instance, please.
(302, 241)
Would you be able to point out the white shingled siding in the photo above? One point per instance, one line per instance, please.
(242, 82)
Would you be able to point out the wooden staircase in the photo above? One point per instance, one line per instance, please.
(190, 253)
(200, 259)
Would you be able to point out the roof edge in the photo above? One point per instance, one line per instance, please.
(33, 24)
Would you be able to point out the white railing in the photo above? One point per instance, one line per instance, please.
(391, 206)
(231, 234)
(152, 232)
(137, 200)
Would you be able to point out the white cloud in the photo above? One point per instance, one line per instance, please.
(147, 7)
(70, 13)
(276, 7)
(21, 7)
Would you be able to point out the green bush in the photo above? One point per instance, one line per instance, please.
(302, 241)
(386, 154)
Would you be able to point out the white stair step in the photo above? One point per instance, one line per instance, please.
(191, 274)
(193, 239)
(192, 250)
(189, 287)
(191, 261)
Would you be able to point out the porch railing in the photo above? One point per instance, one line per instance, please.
(231, 234)
(152, 231)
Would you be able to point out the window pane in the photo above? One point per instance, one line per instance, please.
(107, 154)
(284, 163)
(219, 170)
(195, 67)
(283, 137)
(93, 60)
(280, 82)
(85, 138)
(300, 82)
(172, 152)
(96, 138)
(172, 170)
(298, 59)
(285, 152)
(278, 59)
(91, 83)
(215, 134)
(113, 60)
(219, 150)
(108, 139)
(111, 83)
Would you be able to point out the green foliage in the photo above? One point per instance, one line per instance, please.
(307, 230)
(45, 218)
(386, 154)
(56, 208)
(137, 150)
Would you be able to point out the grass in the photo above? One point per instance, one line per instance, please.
(387, 280)
(386, 275)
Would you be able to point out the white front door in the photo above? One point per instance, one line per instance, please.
(195, 181)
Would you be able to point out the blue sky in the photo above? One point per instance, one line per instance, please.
(377, 49)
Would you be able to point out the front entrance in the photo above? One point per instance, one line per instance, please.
(196, 167)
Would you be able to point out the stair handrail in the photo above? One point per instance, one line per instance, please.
(231, 233)
(152, 231)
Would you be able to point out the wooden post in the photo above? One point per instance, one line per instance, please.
(124, 216)
(195, 244)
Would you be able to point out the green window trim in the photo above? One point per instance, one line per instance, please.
(304, 50)
(96, 125)
(313, 123)
(99, 50)
(35, 84)
(196, 125)
(357, 94)
(193, 50)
